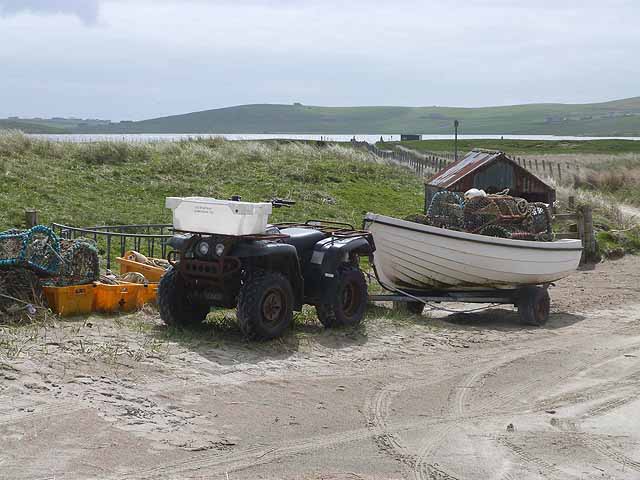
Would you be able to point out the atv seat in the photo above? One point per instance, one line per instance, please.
(302, 238)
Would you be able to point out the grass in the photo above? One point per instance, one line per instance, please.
(522, 147)
(617, 177)
(104, 183)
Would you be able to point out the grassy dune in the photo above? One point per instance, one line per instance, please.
(118, 183)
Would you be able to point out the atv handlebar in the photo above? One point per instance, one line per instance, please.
(279, 203)
(275, 202)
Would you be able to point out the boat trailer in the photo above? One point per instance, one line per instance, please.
(533, 302)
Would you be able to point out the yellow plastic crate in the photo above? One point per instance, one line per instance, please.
(152, 274)
(69, 301)
(116, 298)
(148, 294)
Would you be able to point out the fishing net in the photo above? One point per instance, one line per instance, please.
(37, 249)
(66, 262)
(446, 210)
(21, 297)
(80, 263)
(498, 215)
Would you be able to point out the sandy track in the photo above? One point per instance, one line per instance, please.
(441, 397)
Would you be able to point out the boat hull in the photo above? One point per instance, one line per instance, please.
(420, 257)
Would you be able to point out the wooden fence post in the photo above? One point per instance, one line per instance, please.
(580, 225)
(589, 239)
(31, 218)
(536, 164)
(559, 173)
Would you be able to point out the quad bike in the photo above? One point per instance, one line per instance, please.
(267, 276)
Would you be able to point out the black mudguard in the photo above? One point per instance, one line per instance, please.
(328, 255)
(272, 256)
(180, 242)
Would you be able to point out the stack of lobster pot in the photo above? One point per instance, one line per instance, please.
(498, 215)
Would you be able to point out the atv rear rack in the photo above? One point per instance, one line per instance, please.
(328, 227)
(335, 229)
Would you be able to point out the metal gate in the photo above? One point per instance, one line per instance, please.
(148, 239)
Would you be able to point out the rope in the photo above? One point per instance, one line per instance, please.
(429, 304)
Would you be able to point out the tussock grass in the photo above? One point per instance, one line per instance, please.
(618, 177)
(84, 184)
(609, 192)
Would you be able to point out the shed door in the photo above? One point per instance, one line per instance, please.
(497, 176)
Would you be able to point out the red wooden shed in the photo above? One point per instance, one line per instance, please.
(491, 171)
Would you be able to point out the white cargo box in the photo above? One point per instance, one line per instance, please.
(223, 217)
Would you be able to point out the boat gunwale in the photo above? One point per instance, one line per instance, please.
(442, 232)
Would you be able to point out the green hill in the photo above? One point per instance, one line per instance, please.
(30, 127)
(615, 118)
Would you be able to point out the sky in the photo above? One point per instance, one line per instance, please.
(137, 59)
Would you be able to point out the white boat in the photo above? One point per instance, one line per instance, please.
(420, 257)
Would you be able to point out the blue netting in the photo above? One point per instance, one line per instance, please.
(37, 248)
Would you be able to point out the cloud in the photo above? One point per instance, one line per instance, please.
(156, 57)
(85, 10)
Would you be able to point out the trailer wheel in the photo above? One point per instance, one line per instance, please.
(265, 305)
(176, 309)
(350, 303)
(534, 304)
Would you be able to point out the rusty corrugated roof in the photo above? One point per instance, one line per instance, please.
(457, 170)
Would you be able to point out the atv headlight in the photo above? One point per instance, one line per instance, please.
(219, 249)
(203, 248)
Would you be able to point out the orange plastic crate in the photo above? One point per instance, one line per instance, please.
(152, 274)
(148, 294)
(116, 298)
(69, 301)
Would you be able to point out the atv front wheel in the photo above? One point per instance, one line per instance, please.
(174, 304)
(349, 306)
(265, 305)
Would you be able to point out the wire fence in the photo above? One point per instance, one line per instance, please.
(426, 163)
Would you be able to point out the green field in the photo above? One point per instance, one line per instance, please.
(522, 147)
(107, 183)
(615, 118)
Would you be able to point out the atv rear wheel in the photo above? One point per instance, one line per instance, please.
(534, 305)
(174, 304)
(265, 305)
(349, 306)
